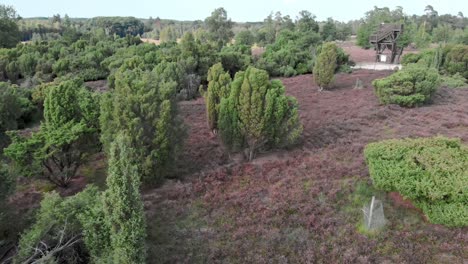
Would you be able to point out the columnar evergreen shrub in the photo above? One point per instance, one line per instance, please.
(257, 114)
(413, 86)
(123, 207)
(325, 66)
(219, 83)
(143, 105)
(432, 172)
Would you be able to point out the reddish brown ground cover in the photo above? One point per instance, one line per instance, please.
(302, 205)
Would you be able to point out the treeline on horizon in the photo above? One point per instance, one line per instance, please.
(435, 25)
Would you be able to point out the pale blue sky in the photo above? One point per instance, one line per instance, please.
(238, 10)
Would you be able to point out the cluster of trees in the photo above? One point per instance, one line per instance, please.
(295, 51)
(447, 59)
(420, 30)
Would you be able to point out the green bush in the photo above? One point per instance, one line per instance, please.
(157, 132)
(235, 58)
(455, 81)
(67, 136)
(457, 61)
(57, 229)
(257, 114)
(429, 171)
(410, 58)
(413, 86)
(325, 67)
(293, 53)
(219, 83)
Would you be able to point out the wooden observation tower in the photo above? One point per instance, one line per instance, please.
(387, 38)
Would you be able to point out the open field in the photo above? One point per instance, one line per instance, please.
(303, 205)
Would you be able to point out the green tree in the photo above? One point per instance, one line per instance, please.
(219, 27)
(10, 112)
(123, 206)
(422, 38)
(443, 33)
(329, 30)
(324, 69)
(245, 37)
(143, 104)
(257, 114)
(9, 32)
(55, 236)
(167, 35)
(68, 135)
(306, 22)
(219, 83)
(372, 21)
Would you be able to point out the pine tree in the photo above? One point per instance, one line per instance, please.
(123, 207)
(258, 114)
(324, 69)
(219, 83)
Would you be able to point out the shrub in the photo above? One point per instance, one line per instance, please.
(67, 136)
(122, 204)
(429, 171)
(455, 81)
(324, 69)
(413, 86)
(245, 37)
(292, 53)
(235, 58)
(219, 83)
(143, 105)
(257, 114)
(10, 112)
(410, 58)
(7, 183)
(56, 232)
(457, 61)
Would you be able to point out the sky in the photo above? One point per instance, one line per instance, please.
(238, 10)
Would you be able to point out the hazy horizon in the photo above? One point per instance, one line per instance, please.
(239, 11)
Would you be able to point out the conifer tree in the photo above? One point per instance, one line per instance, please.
(257, 114)
(219, 83)
(123, 207)
(143, 105)
(324, 69)
(67, 136)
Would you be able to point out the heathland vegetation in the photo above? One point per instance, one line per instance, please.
(56, 125)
